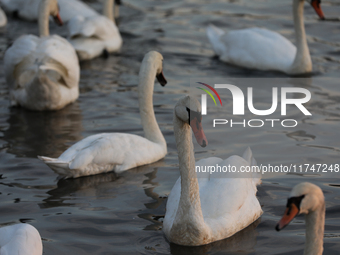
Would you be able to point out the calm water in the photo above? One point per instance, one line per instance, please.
(110, 214)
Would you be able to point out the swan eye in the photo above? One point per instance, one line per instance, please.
(193, 115)
(294, 200)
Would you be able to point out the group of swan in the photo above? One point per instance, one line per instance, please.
(199, 211)
(29, 9)
(44, 76)
(259, 48)
(43, 72)
(89, 32)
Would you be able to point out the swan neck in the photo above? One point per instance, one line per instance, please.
(43, 19)
(189, 209)
(302, 61)
(151, 129)
(108, 9)
(315, 224)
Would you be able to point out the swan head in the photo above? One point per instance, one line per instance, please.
(53, 9)
(155, 60)
(304, 199)
(316, 4)
(188, 110)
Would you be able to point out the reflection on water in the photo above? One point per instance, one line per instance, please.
(68, 187)
(31, 133)
(122, 214)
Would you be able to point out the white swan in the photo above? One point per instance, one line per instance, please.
(29, 9)
(204, 210)
(3, 18)
(258, 48)
(91, 36)
(119, 151)
(20, 239)
(307, 198)
(42, 73)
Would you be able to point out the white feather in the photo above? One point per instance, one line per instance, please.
(20, 239)
(254, 48)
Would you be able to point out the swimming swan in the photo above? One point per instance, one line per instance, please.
(204, 210)
(119, 151)
(92, 36)
(42, 72)
(259, 48)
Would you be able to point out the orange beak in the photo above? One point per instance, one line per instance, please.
(58, 20)
(317, 7)
(198, 132)
(288, 216)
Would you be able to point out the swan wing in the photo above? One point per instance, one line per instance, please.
(97, 26)
(53, 52)
(90, 36)
(255, 48)
(228, 204)
(21, 48)
(61, 52)
(105, 152)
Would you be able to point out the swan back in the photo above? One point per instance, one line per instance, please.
(255, 48)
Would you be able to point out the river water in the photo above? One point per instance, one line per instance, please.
(122, 214)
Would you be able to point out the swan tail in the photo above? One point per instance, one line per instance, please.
(256, 174)
(59, 167)
(214, 34)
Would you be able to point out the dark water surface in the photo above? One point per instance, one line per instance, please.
(110, 214)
